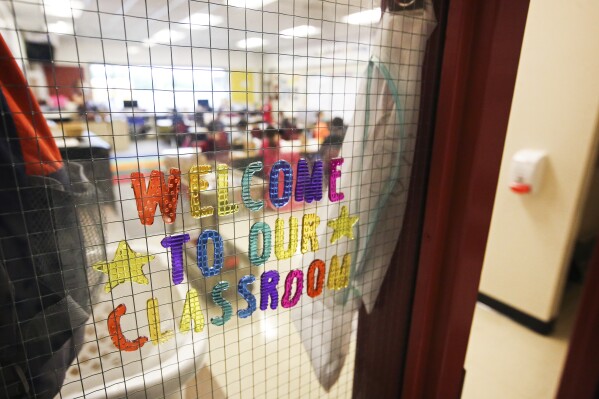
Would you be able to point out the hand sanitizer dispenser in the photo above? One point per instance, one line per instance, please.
(526, 171)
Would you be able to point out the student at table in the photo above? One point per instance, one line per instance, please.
(321, 129)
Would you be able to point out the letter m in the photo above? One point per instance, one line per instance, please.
(158, 192)
(308, 187)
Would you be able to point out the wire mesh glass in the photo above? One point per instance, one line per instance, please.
(131, 87)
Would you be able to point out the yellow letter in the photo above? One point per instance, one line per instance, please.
(339, 276)
(197, 184)
(280, 251)
(222, 189)
(156, 336)
(310, 222)
(192, 311)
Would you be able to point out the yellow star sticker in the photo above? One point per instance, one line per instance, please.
(126, 266)
(343, 225)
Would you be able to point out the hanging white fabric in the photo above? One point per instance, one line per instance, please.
(378, 151)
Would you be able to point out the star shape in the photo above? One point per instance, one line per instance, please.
(126, 266)
(343, 225)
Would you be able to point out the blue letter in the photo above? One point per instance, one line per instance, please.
(273, 188)
(202, 253)
(247, 295)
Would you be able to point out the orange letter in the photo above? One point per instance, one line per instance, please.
(118, 339)
(157, 193)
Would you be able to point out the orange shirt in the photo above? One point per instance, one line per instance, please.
(39, 151)
(321, 131)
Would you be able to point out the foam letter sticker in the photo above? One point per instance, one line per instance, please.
(280, 250)
(297, 275)
(316, 266)
(192, 311)
(339, 276)
(273, 187)
(310, 222)
(217, 297)
(197, 184)
(309, 188)
(175, 243)
(335, 196)
(202, 253)
(158, 193)
(157, 336)
(268, 289)
(247, 295)
(257, 228)
(222, 189)
(246, 196)
(116, 333)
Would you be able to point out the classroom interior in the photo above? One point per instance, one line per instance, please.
(133, 86)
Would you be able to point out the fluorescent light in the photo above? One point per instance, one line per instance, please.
(300, 31)
(200, 20)
(63, 8)
(61, 28)
(367, 17)
(133, 50)
(251, 42)
(164, 36)
(248, 3)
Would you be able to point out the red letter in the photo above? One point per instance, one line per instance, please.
(157, 193)
(118, 339)
(319, 265)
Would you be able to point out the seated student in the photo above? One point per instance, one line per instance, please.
(337, 127)
(331, 147)
(239, 135)
(321, 129)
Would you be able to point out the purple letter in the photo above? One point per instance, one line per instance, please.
(175, 243)
(268, 288)
(308, 188)
(299, 276)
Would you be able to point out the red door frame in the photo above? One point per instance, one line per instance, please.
(580, 378)
(482, 49)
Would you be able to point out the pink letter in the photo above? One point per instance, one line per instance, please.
(334, 196)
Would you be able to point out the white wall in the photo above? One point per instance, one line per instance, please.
(90, 50)
(556, 108)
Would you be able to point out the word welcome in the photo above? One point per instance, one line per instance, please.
(164, 194)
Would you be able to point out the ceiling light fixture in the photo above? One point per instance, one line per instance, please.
(164, 36)
(367, 17)
(201, 21)
(248, 3)
(132, 50)
(63, 8)
(299, 31)
(251, 42)
(60, 28)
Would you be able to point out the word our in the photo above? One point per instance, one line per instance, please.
(164, 194)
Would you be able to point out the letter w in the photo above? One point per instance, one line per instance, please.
(157, 193)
